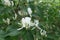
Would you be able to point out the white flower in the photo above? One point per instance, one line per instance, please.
(7, 2)
(43, 32)
(23, 22)
(6, 21)
(32, 24)
(26, 22)
(29, 11)
(15, 17)
(36, 22)
(19, 12)
(12, 3)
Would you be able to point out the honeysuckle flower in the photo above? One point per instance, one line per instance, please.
(7, 2)
(26, 22)
(12, 3)
(36, 22)
(29, 11)
(43, 32)
(19, 12)
(6, 21)
(23, 22)
(32, 24)
(15, 17)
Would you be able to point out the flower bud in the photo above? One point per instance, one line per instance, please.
(29, 11)
(7, 2)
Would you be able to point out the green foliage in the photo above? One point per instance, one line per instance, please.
(48, 14)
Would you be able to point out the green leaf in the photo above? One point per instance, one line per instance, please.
(13, 33)
(27, 35)
(2, 39)
(2, 34)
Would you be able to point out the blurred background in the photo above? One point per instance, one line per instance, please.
(17, 19)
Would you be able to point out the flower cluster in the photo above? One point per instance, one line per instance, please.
(6, 21)
(26, 22)
(8, 3)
